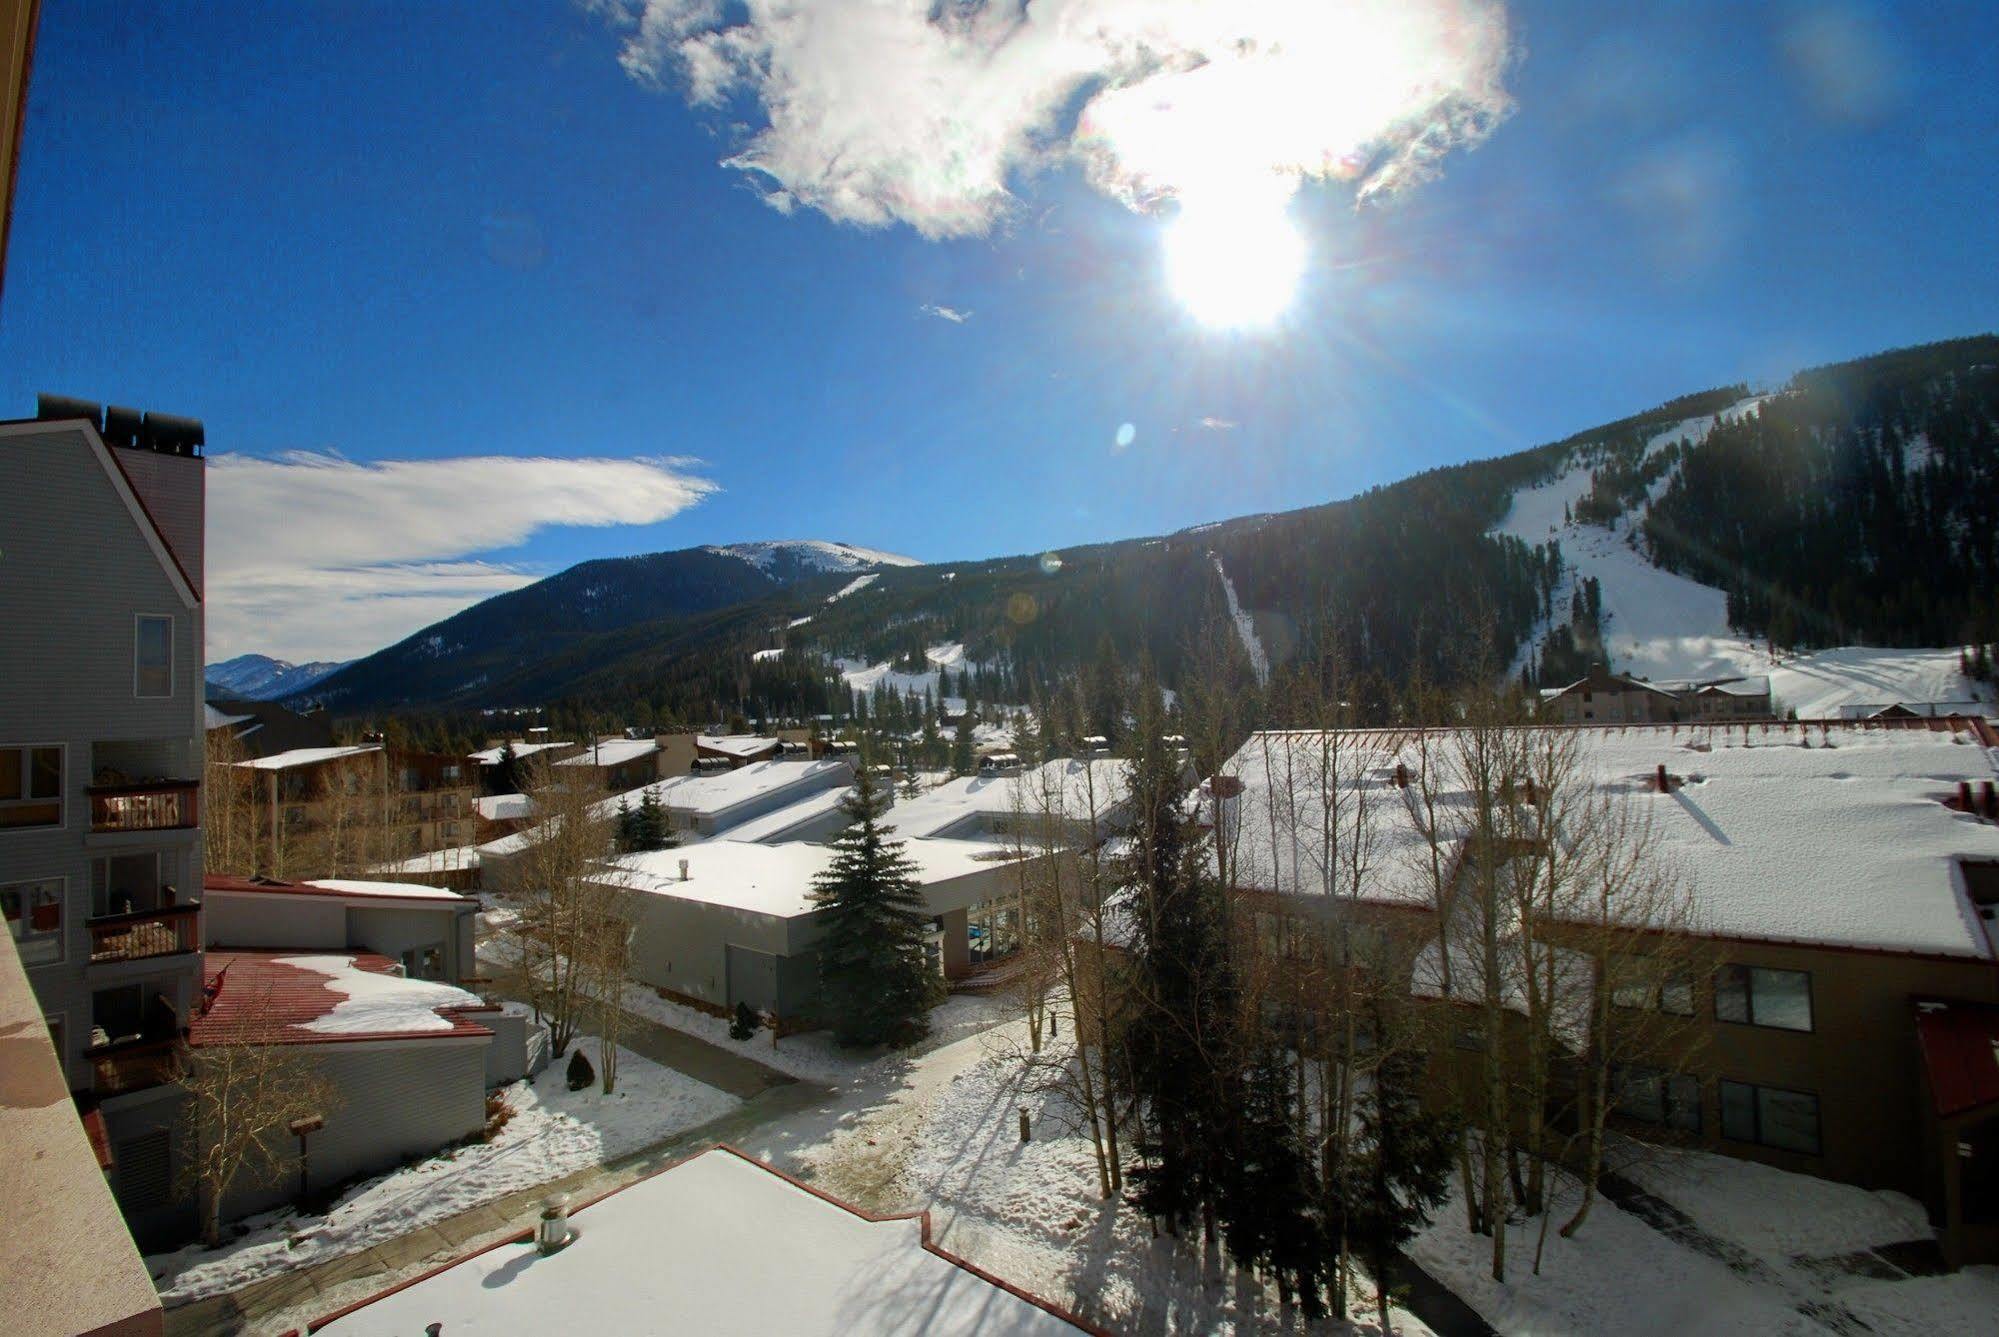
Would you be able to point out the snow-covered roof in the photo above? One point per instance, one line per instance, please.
(219, 884)
(503, 807)
(491, 756)
(435, 861)
(303, 998)
(773, 825)
(1067, 787)
(712, 794)
(776, 879)
(612, 752)
(736, 745)
(718, 1243)
(1810, 833)
(306, 756)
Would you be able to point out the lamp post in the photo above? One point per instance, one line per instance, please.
(301, 1129)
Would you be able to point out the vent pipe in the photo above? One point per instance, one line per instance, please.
(1401, 775)
(1660, 779)
(683, 870)
(552, 1231)
(1989, 799)
(1964, 796)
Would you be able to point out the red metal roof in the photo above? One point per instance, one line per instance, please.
(1960, 1043)
(259, 997)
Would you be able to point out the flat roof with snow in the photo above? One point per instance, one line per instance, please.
(306, 756)
(737, 744)
(776, 880)
(1070, 788)
(612, 752)
(491, 756)
(722, 1244)
(349, 888)
(503, 807)
(1812, 833)
(713, 793)
(773, 825)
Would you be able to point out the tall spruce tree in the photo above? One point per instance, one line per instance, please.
(1404, 1171)
(1181, 1039)
(874, 984)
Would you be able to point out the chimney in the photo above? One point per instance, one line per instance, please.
(1964, 796)
(1660, 779)
(161, 457)
(1989, 799)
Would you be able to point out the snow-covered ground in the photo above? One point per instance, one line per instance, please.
(854, 586)
(1765, 1269)
(1663, 626)
(941, 1132)
(552, 1132)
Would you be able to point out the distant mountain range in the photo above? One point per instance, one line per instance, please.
(1855, 504)
(262, 678)
(492, 643)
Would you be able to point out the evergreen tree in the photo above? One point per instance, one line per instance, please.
(1179, 1043)
(962, 759)
(1404, 1172)
(874, 983)
(1270, 1210)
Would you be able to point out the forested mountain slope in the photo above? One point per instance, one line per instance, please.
(1854, 504)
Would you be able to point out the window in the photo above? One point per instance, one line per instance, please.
(1636, 987)
(153, 657)
(1755, 996)
(1769, 1117)
(31, 786)
(33, 911)
(1671, 1100)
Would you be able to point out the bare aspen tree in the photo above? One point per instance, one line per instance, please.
(228, 808)
(606, 946)
(559, 916)
(242, 1100)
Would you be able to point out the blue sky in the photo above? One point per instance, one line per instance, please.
(445, 233)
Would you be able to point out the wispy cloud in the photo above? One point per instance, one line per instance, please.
(1214, 424)
(318, 556)
(882, 111)
(950, 313)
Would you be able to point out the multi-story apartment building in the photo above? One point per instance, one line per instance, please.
(1604, 697)
(101, 752)
(317, 808)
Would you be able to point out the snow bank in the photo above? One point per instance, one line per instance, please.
(553, 1132)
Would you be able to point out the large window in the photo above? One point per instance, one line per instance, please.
(1770, 1117)
(153, 656)
(30, 786)
(1755, 996)
(1669, 1099)
(33, 911)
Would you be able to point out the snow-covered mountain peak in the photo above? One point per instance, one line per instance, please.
(773, 556)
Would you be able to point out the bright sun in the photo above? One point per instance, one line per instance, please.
(1234, 266)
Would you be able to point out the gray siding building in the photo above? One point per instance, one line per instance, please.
(101, 750)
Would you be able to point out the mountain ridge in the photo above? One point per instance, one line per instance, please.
(1421, 574)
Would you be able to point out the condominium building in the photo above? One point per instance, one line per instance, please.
(101, 751)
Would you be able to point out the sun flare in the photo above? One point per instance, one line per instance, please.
(1234, 268)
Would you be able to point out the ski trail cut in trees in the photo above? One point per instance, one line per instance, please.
(1245, 627)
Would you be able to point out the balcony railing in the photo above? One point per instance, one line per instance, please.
(145, 933)
(133, 1065)
(154, 805)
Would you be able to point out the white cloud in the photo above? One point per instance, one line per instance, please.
(882, 111)
(950, 313)
(313, 556)
(1214, 424)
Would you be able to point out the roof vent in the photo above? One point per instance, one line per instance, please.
(50, 408)
(683, 870)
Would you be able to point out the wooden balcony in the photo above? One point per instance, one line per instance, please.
(152, 805)
(133, 1065)
(145, 933)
